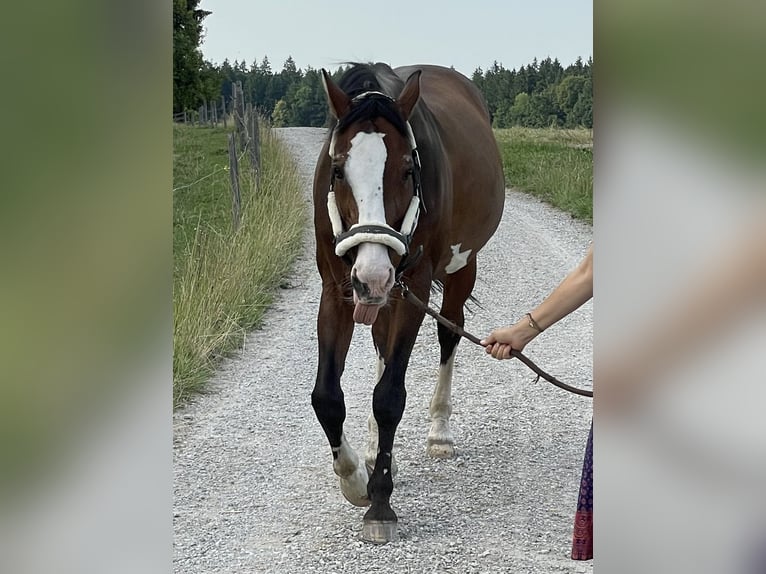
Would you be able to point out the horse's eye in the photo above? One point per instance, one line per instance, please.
(407, 174)
(337, 172)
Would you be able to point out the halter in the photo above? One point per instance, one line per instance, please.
(380, 232)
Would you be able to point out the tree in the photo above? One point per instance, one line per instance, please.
(582, 111)
(520, 112)
(543, 109)
(568, 93)
(279, 116)
(188, 65)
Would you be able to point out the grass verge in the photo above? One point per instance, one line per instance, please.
(224, 280)
(555, 165)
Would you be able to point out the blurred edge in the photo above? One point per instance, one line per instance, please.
(85, 428)
(680, 287)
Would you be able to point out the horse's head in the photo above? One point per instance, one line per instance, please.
(374, 197)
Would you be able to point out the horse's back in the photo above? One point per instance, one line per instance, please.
(447, 93)
(462, 120)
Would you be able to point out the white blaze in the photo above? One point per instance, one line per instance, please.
(364, 172)
(364, 169)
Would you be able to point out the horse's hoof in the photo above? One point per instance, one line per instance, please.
(440, 450)
(354, 488)
(380, 531)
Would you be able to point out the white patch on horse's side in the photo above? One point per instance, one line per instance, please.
(459, 259)
(440, 443)
(353, 474)
(364, 168)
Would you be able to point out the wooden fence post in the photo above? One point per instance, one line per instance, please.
(255, 143)
(234, 173)
(239, 114)
(223, 105)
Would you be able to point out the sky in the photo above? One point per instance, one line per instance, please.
(461, 33)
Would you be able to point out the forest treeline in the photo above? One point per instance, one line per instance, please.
(540, 94)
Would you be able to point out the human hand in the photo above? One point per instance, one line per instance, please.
(500, 342)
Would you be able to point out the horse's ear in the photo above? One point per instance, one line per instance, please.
(337, 98)
(410, 94)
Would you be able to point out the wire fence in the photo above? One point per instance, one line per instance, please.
(246, 135)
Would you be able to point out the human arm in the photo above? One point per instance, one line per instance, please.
(572, 292)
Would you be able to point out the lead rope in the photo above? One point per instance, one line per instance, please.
(412, 298)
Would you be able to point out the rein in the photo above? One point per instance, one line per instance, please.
(412, 298)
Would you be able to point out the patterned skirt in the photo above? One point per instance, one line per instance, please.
(582, 537)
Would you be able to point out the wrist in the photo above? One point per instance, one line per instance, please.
(532, 323)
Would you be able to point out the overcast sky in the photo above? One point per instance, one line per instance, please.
(465, 34)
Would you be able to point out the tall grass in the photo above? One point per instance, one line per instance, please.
(225, 279)
(553, 164)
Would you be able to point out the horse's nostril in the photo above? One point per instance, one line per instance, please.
(362, 289)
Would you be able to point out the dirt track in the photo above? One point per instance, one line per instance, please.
(254, 486)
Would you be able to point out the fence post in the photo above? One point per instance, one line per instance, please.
(234, 97)
(255, 143)
(223, 105)
(239, 114)
(234, 173)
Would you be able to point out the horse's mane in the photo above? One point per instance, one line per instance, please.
(361, 78)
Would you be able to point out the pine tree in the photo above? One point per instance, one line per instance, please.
(188, 65)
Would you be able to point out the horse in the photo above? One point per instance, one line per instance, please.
(408, 187)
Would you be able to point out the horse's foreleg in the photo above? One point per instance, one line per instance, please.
(457, 288)
(388, 405)
(395, 345)
(334, 329)
(372, 431)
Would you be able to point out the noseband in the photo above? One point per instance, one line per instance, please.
(382, 233)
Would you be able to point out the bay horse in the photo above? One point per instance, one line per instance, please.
(408, 188)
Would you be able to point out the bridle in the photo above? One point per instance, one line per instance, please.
(379, 232)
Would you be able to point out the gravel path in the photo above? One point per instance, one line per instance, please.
(254, 486)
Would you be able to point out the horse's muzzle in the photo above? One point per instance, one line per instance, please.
(370, 293)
